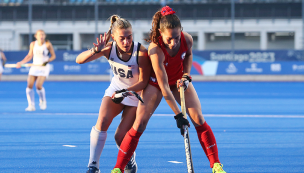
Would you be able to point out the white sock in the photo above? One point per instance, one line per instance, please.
(41, 94)
(30, 95)
(97, 142)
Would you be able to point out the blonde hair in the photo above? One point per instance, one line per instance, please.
(117, 23)
(40, 30)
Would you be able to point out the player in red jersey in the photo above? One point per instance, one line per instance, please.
(170, 52)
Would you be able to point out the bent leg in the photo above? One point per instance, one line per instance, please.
(41, 92)
(204, 132)
(127, 120)
(99, 131)
(151, 97)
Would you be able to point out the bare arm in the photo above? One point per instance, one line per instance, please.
(90, 55)
(157, 59)
(189, 57)
(28, 57)
(52, 52)
(3, 56)
(144, 70)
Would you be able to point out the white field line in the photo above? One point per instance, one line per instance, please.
(205, 115)
(71, 146)
(174, 162)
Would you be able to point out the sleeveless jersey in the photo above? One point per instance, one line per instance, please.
(40, 53)
(173, 65)
(125, 73)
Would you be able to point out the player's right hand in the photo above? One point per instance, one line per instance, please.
(18, 65)
(101, 43)
(118, 100)
(181, 122)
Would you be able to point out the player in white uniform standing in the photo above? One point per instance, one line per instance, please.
(131, 69)
(39, 51)
(2, 62)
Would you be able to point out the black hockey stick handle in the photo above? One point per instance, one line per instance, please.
(190, 168)
(129, 93)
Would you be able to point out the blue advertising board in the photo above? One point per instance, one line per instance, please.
(217, 55)
(250, 55)
(247, 68)
(207, 63)
(67, 68)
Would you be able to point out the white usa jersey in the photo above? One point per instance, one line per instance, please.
(40, 53)
(125, 73)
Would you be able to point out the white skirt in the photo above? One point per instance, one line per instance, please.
(40, 70)
(128, 101)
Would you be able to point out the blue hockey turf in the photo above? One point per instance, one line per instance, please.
(259, 128)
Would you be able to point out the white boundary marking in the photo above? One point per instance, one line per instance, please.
(71, 146)
(163, 115)
(174, 162)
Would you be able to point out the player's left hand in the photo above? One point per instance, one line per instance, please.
(183, 82)
(181, 122)
(118, 100)
(45, 63)
(18, 65)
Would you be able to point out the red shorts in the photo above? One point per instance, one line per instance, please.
(155, 84)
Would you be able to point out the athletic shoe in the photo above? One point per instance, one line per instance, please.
(116, 170)
(131, 167)
(30, 108)
(93, 169)
(218, 168)
(42, 105)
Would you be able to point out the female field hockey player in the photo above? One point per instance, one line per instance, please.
(131, 69)
(39, 51)
(170, 51)
(2, 62)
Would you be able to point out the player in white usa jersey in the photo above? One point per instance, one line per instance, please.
(39, 51)
(131, 69)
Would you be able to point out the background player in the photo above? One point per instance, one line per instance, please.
(131, 69)
(39, 51)
(2, 62)
(170, 52)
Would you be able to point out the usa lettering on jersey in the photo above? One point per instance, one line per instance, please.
(124, 72)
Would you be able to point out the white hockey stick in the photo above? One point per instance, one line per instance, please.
(23, 65)
(186, 133)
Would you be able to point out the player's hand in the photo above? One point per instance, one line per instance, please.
(183, 82)
(118, 100)
(45, 63)
(18, 65)
(101, 43)
(181, 122)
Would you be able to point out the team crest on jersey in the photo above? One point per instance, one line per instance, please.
(183, 56)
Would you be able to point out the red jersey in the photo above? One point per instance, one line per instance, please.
(173, 65)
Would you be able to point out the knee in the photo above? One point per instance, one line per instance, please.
(140, 126)
(30, 86)
(197, 119)
(102, 124)
(119, 137)
(38, 87)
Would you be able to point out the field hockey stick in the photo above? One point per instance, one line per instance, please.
(128, 93)
(22, 65)
(186, 133)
